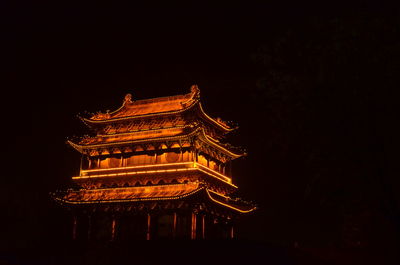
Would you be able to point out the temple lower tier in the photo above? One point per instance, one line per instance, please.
(178, 225)
(181, 211)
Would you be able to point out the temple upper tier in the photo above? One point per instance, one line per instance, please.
(172, 106)
(145, 124)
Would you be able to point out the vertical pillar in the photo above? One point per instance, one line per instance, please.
(121, 164)
(80, 169)
(174, 226)
(193, 230)
(74, 225)
(231, 232)
(148, 227)
(203, 226)
(89, 227)
(113, 225)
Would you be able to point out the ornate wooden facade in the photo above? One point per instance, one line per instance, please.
(156, 168)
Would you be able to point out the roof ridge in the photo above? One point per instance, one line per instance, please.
(153, 100)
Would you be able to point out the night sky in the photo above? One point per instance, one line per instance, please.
(313, 88)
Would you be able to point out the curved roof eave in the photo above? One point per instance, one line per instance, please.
(213, 121)
(135, 199)
(212, 142)
(90, 121)
(80, 147)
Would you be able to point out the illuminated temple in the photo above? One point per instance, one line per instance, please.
(155, 168)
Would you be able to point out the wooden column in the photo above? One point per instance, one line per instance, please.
(74, 225)
(231, 232)
(89, 227)
(113, 226)
(193, 230)
(80, 169)
(174, 226)
(203, 226)
(148, 227)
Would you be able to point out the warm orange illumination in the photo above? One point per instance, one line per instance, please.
(113, 229)
(134, 167)
(170, 141)
(142, 130)
(174, 226)
(134, 173)
(203, 226)
(142, 134)
(80, 147)
(196, 166)
(129, 194)
(220, 124)
(148, 227)
(227, 205)
(193, 226)
(215, 173)
(143, 108)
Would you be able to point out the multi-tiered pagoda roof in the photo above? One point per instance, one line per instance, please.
(161, 152)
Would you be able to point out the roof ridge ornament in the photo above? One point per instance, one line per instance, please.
(127, 98)
(195, 91)
(194, 95)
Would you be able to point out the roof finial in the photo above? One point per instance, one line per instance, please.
(194, 89)
(128, 98)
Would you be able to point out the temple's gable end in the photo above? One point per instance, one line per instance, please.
(157, 158)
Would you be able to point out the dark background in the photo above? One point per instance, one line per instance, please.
(313, 87)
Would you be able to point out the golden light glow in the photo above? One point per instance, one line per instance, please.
(143, 115)
(207, 139)
(142, 166)
(217, 174)
(144, 134)
(226, 128)
(142, 130)
(214, 143)
(80, 147)
(148, 227)
(193, 226)
(134, 173)
(132, 194)
(195, 166)
(151, 133)
(227, 205)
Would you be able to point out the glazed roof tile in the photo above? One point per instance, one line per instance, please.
(133, 193)
(131, 108)
(152, 193)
